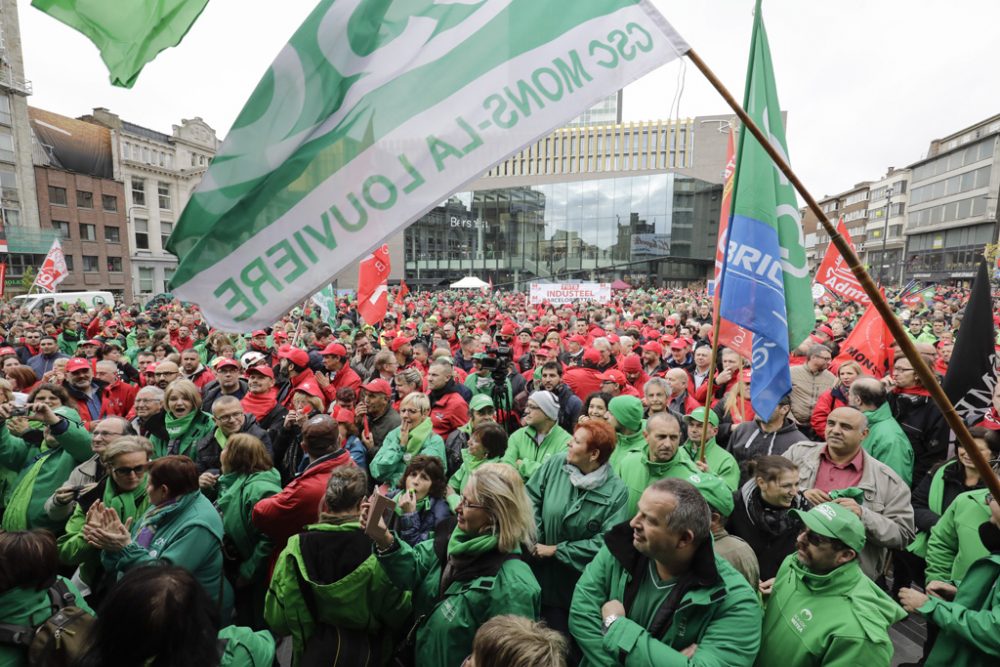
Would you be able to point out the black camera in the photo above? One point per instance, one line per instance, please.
(21, 411)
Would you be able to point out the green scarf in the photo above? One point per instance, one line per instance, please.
(177, 426)
(220, 438)
(854, 493)
(15, 517)
(422, 505)
(418, 434)
(461, 543)
(127, 503)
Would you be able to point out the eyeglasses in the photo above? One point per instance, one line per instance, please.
(147, 400)
(124, 471)
(816, 539)
(106, 434)
(230, 417)
(462, 502)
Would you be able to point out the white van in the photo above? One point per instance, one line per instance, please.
(41, 300)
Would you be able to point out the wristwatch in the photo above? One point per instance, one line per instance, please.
(608, 620)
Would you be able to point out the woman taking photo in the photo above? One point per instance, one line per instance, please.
(576, 499)
(835, 397)
(761, 517)
(181, 527)
(327, 585)
(461, 580)
(415, 435)
(186, 424)
(247, 476)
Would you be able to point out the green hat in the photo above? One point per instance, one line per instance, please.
(715, 492)
(832, 520)
(345, 327)
(627, 410)
(698, 415)
(69, 413)
(480, 401)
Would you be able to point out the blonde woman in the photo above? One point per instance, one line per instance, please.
(415, 435)
(185, 423)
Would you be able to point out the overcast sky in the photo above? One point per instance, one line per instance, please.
(866, 84)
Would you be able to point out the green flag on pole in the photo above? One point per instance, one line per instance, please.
(128, 33)
(376, 111)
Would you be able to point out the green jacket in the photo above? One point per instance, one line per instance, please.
(718, 611)
(246, 648)
(954, 544)
(638, 472)
(836, 619)
(719, 461)
(451, 620)
(461, 477)
(362, 600)
(522, 446)
(887, 442)
(625, 445)
(26, 606)
(68, 342)
(573, 520)
(391, 460)
(237, 496)
(968, 635)
(186, 444)
(41, 470)
(186, 533)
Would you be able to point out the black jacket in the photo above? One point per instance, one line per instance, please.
(213, 391)
(921, 420)
(954, 484)
(770, 531)
(209, 450)
(748, 441)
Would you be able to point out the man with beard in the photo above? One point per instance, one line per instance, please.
(261, 401)
(569, 404)
(84, 389)
(194, 370)
(449, 410)
(336, 372)
(363, 360)
(227, 382)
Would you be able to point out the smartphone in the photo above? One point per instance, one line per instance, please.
(381, 506)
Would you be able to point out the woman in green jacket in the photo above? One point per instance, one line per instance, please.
(126, 461)
(577, 498)
(247, 476)
(181, 527)
(186, 424)
(28, 566)
(327, 584)
(487, 444)
(461, 580)
(415, 435)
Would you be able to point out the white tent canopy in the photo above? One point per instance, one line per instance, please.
(469, 282)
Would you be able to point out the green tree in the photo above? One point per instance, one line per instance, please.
(28, 278)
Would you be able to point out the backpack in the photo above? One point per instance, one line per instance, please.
(59, 640)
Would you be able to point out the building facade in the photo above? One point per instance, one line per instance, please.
(885, 241)
(852, 206)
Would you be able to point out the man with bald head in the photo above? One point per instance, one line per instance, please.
(886, 440)
(165, 373)
(842, 471)
(663, 457)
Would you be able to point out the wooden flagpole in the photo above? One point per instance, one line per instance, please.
(927, 377)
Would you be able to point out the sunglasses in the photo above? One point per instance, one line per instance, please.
(135, 470)
(816, 539)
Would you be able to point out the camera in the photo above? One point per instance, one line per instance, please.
(498, 360)
(19, 411)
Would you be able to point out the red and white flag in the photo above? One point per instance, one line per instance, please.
(403, 291)
(3, 279)
(836, 276)
(53, 269)
(373, 286)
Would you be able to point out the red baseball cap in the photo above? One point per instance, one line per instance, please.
(92, 341)
(591, 355)
(678, 344)
(653, 346)
(294, 355)
(77, 364)
(258, 332)
(150, 368)
(507, 330)
(378, 386)
(578, 339)
(399, 342)
(632, 364)
(613, 375)
(312, 389)
(263, 369)
(4, 351)
(222, 362)
(344, 416)
(334, 349)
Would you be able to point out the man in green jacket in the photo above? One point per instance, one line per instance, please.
(531, 445)
(822, 609)
(625, 415)
(717, 460)
(663, 457)
(886, 440)
(657, 594)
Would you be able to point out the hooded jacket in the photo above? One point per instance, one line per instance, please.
(749, 441)
(935, 493)
(713, 605)
(637, 471)
(117, 399)
(887, 442)
(238, 494)
(837, 618)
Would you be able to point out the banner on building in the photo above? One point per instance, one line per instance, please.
(650, 245)
(336, 149)
(53, 270)
(836, 276)
(569, 292)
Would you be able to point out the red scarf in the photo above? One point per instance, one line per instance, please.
(915, 390)
(991, 420)
(260, 404)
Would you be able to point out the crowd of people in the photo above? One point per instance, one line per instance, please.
(563, 486)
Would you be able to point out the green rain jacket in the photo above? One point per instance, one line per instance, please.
(523, 447)
(356, 598)
(720, 462)
(638, 472)
(954, 544)
(246, 648)
(968, 636)
(391, 460)
(450, 620)
(461, 477)
(838, 619)
(887, 442)
(574, 521)
(625, 445)
(237, 495)
(186, 444)
(716, 609)
(42, 470)
(26, 606)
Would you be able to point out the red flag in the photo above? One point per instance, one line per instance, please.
(870, 344)
(53, 269)
(730, 335)
(836, 276)
(403, 291)
(373, 288)
(3, 279)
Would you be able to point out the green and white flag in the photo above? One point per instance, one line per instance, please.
(326, 301)
(374, 112)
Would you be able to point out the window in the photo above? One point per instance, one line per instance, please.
(166, 228)
(84, 199)
(168, 274)
(6, 145)
(90, 264)
(112, 235)
(62, 228)
(109, 203)
(5, 109)
(146, 278)
(138, 191)
(57, 196)
(141, 234)
(126, 150)
(88, 232)
(69, 262)
(164, 192)
(115, 264)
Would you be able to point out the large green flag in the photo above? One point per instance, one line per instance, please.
(128, 33)
(374, 112)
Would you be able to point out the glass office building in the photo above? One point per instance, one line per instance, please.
(652, 228)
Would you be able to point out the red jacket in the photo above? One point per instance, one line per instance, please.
(827, 402)
(583, 381)
(345, 377)
(201, 378)
(448, 413)
(181, 345)
(117, 399)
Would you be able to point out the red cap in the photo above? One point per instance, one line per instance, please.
(312, 389)
(344, 416)
(578, 339)
(378, 386)
(263, 369)
(399, 342)
(670, 321)
(507, 330)
(334, 349)
(597, 332)
(747, 373)
(4, 351)
(613, 375)
(653, 346)
(280, 335)
(632, 364)
(150, 368)
(258, 332)
(92, 341)
(824, 329)
(294, 355)
(678, 344)
(222, 362)
(592, 356)
(77, 364)
(613, 338)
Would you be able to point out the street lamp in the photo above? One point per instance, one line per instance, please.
(885, 234)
